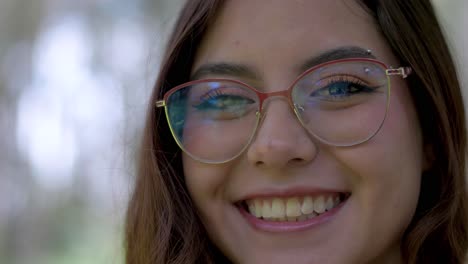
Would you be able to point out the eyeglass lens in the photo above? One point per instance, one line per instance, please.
(341, 104)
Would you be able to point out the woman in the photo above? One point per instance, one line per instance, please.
(303, 132)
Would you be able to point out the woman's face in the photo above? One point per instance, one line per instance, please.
(373, 187)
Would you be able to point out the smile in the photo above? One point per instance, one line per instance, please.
(293, 209)
(279, 214)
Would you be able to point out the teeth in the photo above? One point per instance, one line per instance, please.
(292, 209)
(312, 215)
(251, 205)
(307, 205)
(319, 205)
(266, 209)
(258, 208)
(329, 204)
(277, 208)
(336, 201)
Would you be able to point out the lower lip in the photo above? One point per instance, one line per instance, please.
(280, 227)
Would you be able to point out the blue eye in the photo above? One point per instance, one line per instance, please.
(341, 90)
(224, 102)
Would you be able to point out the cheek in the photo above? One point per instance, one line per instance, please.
(386, 175)
(207, 185)
(205, 182)
(397, 148)
(216, 140)
(400, 139)
(388, 168)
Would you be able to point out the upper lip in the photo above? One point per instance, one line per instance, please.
(290, 192)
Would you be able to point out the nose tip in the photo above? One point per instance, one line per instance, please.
(281, 140)
(277, 153)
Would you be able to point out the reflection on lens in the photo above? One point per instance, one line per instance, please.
(343, 103)
(213, 121)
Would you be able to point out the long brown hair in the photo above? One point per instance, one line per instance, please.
(162, 225)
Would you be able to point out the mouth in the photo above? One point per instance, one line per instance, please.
(306, 208)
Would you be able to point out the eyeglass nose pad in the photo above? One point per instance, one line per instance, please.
(260, 117)
(298, 110)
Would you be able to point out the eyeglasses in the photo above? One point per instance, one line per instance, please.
(341, 103)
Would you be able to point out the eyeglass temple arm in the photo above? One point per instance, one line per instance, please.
(403, 71)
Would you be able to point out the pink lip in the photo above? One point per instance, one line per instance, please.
(278, 227)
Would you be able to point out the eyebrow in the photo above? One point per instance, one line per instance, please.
(224, 68)
(245, 71)
(335, 54)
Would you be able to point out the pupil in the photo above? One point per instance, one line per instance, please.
(339, 88)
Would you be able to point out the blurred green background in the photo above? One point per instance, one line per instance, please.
(75, 77)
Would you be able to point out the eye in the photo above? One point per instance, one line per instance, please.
(225, 104)
(342, 88)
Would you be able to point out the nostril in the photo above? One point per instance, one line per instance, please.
(259, 163)
(297, 160)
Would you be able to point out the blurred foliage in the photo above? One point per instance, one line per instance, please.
(73, 76)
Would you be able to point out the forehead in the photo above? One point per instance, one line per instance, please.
(273, 34)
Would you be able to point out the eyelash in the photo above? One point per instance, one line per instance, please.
(354, 81)
(217, 94)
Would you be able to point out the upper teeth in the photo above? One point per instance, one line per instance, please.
(292, 208)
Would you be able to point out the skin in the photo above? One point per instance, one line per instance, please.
(383, 174)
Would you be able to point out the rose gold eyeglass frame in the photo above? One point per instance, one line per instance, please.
(404, 72)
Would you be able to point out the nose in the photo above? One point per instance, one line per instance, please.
(281, 141)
